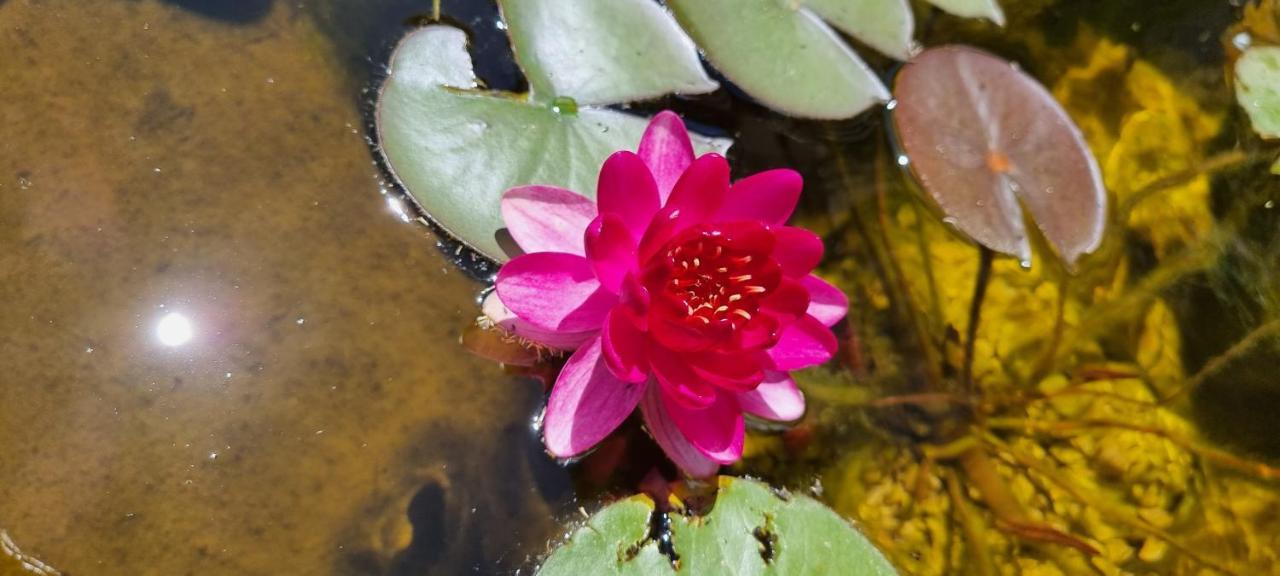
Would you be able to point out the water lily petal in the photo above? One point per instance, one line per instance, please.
(758, 333)
(666, 149)
(671, 439)
(678, 380)
(626, 190)
(776, 398)
(717, 431)
(806, 342)
(611, 250)
(546, 218)
(696, 197)
(737, 372)
(768, 197)
(787, 302)
(554, 291)
(586, 404)
(826, 302)
(797, 250)
(508, 322)
(625, 346)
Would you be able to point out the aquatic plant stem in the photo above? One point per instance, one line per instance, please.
(971, 525)
(985, 259)
(933, 360)
(1209, 166)
(1047, 361)
(1217, 363)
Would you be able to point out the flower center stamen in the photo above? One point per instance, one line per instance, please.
(715, 282)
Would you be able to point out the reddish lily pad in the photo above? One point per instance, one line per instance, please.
(986, 140)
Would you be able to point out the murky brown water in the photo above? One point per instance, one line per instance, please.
(155, 161)
(222, 352)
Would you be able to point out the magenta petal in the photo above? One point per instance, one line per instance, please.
(807, 342)
(777, 399)
(701, 190)
(768, 197)
(666, 149)
(736, 372)
(626, 190)
(625, 346)
(610, 250)
(697, 196)
(717, 431)
(554, 291)
(826, 302)
(546, 218)
(797, 250)
(507, 321)
(671, 439)
(678, 380)
(587, 403)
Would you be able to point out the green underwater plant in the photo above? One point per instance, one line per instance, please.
(1054, 435)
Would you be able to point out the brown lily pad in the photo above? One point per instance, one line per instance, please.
(986, 140)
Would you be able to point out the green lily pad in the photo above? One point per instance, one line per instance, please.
(613, 542)
(782, 54)
(456, 148)
(1258, 88)
(603, 52)
(988, 9)
(886, 25)
(750, 530)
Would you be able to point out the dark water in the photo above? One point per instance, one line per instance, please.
(222, 351)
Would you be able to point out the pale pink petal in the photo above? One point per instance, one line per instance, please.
(716, 431)
(666, 149)
(671, 439)
(826, 302)
(610, 250)
(626, 190)
(777, 398)
(797, 251)
(586, 404)
(625, 345)
(554, 291)
(768, 197)
(807, 342)
(505, 319)
(546, 218)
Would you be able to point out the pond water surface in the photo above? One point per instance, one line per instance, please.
(225, 348)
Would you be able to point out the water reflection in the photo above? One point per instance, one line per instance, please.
(174, 329)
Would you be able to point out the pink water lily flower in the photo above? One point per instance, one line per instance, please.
(680, 292)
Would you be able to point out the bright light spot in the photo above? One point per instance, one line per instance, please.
(174, 329)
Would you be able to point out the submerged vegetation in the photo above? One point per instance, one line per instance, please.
(1050, 427)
